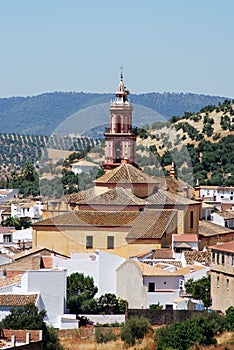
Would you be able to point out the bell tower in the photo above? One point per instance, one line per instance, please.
(120, 136)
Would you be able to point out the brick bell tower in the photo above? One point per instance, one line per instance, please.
(121, 136)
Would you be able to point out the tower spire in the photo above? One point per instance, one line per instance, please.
(121, 136)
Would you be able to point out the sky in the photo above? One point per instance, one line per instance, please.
(73, 45)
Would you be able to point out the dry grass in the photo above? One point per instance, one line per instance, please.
(76, 340)
(84, 340)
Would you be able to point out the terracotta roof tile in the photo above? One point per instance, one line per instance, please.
(148, 270)
(185, 238)
(162, 253)
(151, 223)
(125, 173)
(91, 218)
(207, 228)
(9, 281)
(174, 185)
(224, 247)
(187, 270)
(228, 214)
(17, 299)
(115, 196)
(193, 256)
(8, 229)
(163, 197)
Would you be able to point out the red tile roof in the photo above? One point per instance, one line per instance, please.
(151, 223)
(207, 228)
(224, 247)
(126, 173)
(17, 299)
(185, 238)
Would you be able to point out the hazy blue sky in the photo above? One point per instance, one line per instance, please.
(74, 45)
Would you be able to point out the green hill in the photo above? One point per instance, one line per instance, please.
(42, 114)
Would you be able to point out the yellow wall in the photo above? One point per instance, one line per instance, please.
(72, 241)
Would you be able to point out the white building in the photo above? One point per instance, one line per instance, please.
(217, 193)
(223, 218)
(142, 285)
(83, 166)
(46, 288)
(100, 265)
(31, 210)
(18, 239)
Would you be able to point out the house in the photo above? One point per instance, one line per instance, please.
(223, 218)
(46, 288)
(83, 166)
(16, 239)
(217, 194)
(182, 242)
(99, 265)
(8, 194)
(222, 276)
(210, 234)
(32, 210)
(142, 284)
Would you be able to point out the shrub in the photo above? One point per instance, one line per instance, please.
(134, 329)
(102, 336)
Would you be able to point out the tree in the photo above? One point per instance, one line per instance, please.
(28, 317)
(80, 289)
(18, 223)
(199, 290)
(110, 304)
(183, 335)
(230, 318)
(29, 171)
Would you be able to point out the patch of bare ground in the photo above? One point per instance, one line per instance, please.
(83, 339)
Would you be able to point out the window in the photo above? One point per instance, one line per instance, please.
(232, 259)
(213, 256)
(191, 219)
(217, 281)
(217, 258)
(110, 242)
(223, 258)
(7, 238)
(89, 242)
(151, 287)
(228, 283)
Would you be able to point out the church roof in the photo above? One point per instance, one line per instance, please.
(173, 184)
(151, 223)
(125, 173)
(165, 197)
(91, 218)
(115, 196)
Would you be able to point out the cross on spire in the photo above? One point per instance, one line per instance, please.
(121, 73)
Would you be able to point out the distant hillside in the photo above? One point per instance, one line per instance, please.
(42, 114)
(200, 144)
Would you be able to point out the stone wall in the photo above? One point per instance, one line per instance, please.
(160, 317)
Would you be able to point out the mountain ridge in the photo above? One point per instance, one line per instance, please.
(42, 114)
